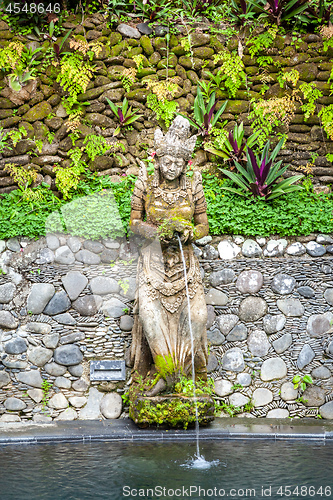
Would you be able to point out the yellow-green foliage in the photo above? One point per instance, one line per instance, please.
(66, 179)
(310, 93)
(291, 76)
(22, 175)
(160, 100)
(128, 78)
(262, 41)
(138, 59)
(232, 71)
(326, 115)
(75, 74)
(167, 227)
(90, 49)
(95, 145)
(166, 366)
(10, 55)
(267, 115)
(173, 412)
(327, 34)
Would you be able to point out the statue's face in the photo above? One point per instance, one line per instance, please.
(171, 167)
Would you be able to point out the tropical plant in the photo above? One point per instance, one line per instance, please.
(153, 9)
(21, 61)
(327, 34)
(326, 116)
(206, 88)
(75, 75)
(195, 8)
(3, 140)
(11, 55)
(204, 116)
(235, 146)
(271, 113)
(310, 93)
(321, 12)
(116, 8)
(24, 176)
(57, 48)
(263, 41)
(242, 12)
(18, 78)
(160, 100)
(124, 114)
(261, 181)
(280, 11)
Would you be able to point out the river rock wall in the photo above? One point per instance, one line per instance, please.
(65, 301)
(41, 112)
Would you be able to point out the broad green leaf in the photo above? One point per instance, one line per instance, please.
(125, 106)
(113, 107)
(219, 113)
(194, 124)
(234, 191)
(276, 150)
(131, 119)
(244, 172)
(235, 178)
(217, 152)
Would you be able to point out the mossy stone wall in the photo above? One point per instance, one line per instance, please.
(39, 109)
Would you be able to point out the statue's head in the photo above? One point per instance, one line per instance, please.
(174, 150)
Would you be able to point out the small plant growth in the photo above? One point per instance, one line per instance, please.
(160, 100)
(302, 382)
(235, 146)
(204, 118)
(46, 388)
(124, 114)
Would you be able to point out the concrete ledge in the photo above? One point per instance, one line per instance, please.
(126, 430)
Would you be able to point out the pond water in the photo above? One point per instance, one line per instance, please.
(238, 469)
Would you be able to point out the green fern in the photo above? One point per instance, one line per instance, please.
(232, 72)
(326, 115)
(311, 93)
(95, 145)
(263, 41)
(163, 109)
(75, 74)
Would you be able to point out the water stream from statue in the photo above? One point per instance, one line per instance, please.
(199, 461)
(192, 348)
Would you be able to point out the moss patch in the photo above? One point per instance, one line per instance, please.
(172, 410)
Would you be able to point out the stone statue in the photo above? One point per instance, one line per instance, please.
(164, 204)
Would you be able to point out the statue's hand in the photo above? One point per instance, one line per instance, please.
(187, 235)
(170, 229)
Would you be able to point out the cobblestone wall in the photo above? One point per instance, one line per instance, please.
(65, 301)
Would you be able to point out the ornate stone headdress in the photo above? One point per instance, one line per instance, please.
(177, 141)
